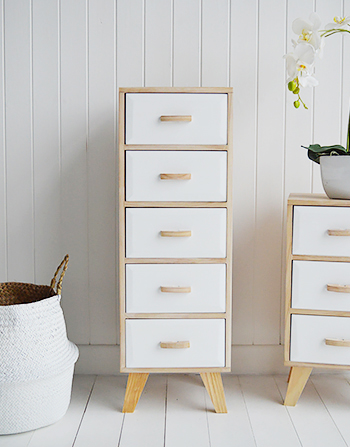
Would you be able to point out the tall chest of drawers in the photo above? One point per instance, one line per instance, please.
(175, 235)
(317, 288)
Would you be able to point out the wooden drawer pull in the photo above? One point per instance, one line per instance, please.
(337, 342)
(338, 232)
(338, 288)
(175, 176)
(175, 289)
(186, 233)
(174, 344)
(187, 118)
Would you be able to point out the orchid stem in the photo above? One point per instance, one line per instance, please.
(305, 107)
(330, 32)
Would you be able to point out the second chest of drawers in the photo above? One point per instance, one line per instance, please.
(317, 288)
(175, 192)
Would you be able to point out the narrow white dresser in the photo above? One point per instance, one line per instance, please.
(175, 235)
(317, 288)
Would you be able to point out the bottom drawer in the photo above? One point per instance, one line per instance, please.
(310, 335)
(152, 343)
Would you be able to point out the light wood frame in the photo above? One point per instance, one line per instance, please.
(300, 371)
(123, 205)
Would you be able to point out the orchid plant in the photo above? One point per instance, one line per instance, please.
(300, 65)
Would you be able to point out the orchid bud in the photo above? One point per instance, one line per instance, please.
(297, 104)
(292, 85)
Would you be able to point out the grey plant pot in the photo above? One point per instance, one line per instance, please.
(335, 174)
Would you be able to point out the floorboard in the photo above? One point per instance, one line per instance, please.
(102, 422)
(16, 440)
(270, 422)
(311, 419)
(232, 429)
(335, 394)
(145, 427)
(175, 410)
(186, 418)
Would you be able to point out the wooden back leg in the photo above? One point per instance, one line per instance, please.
(214, 386)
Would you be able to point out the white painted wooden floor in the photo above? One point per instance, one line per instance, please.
(175, 411)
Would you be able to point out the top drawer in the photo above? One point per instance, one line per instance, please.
(208, 112)
(321, 231)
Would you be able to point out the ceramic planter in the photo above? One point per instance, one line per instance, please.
(335, 174)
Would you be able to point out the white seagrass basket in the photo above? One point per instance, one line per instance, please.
(36, 358)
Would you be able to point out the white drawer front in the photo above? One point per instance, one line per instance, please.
(206, 226)
(310, 280)
(308, 335)
(311, 225)
(208, 124)
(206, 340)
(179, 288)
(207, 182)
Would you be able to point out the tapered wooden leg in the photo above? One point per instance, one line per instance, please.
(134, 388)
(297, 380)
(213, 384)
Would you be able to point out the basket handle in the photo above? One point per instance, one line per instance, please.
(64, 263)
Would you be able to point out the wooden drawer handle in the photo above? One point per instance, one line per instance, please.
(338, 232)
(337, 342)
(175, 176)
(174, 344)
(186, 233)
(187, 118)
(338, 288)
(175, 289)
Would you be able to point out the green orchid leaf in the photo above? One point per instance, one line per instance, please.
(317, 148)
(315, 151)
(313, 157)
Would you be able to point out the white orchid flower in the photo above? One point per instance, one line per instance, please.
(310, 43)
(306, 79)
(338, 23)
(307, 30)
(299, 68)
(300, 63)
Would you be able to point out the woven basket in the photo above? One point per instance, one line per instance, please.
(23, 293)
(37, 359)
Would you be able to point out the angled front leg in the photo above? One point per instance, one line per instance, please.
(213, 384)
(298, 377)
(134, 388)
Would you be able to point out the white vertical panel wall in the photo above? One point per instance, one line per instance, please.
(73, 120)
(101, 161)
(46, 142)
(3, 226)
(244, 161)
(18, 71)
(62, 63)
(187, 43)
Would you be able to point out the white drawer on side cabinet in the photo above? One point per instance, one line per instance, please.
(175, 233)
(182, 288)
(321, 230)
(308, 339)
(207, 112)
(175, 343)
(176, 176)
(321, 285)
